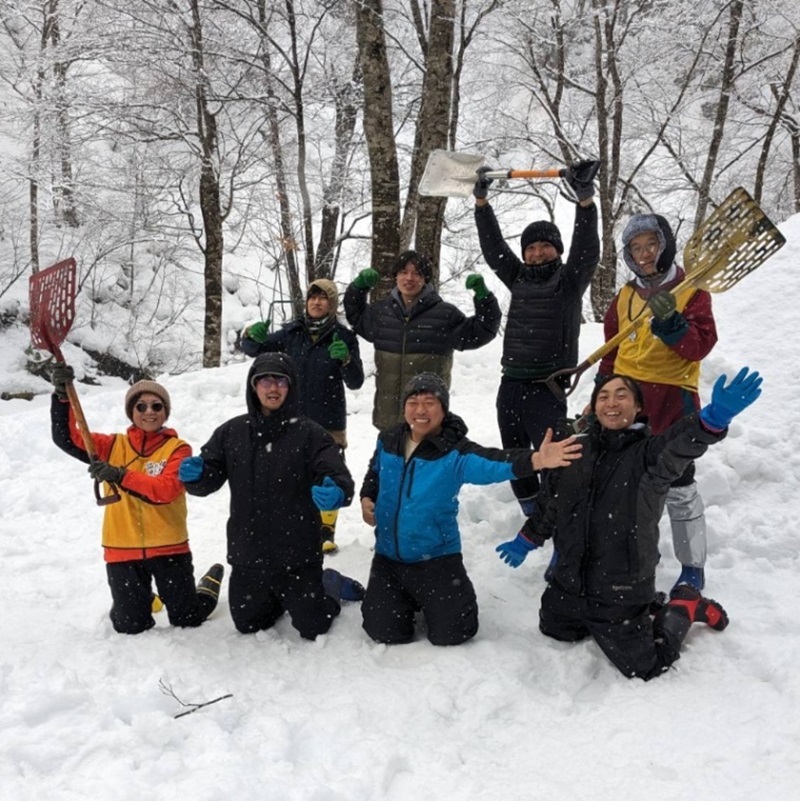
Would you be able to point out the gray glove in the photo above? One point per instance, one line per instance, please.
(580, 177)
(663, 305)
(60, 376)
(103, 471)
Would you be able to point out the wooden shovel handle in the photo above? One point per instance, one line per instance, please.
(88, 443)
(553, 173)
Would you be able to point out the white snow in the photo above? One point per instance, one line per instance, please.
(510, 715)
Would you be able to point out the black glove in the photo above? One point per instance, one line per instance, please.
(663, 305)
(103, 471)
(580, 177)
(482, 184)
(61, 375)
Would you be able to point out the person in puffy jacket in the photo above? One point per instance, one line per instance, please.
(414, 331)
(602, 513)
(410, 495)
(282, 470)
(326, 355)
(145, 537)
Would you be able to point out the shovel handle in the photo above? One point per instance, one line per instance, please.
(552, 173)
(88, 444)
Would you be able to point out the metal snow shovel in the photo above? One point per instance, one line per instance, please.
(52, 303)
(734, 241)
(451, 174)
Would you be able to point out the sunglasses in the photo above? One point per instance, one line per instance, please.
(267, 381)
(142, 407)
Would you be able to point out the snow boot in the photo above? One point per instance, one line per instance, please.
(691, 576)
(551, 567)
(528, 505)
(341, 587)
(697, 608)
(328, 530)
(210, 584)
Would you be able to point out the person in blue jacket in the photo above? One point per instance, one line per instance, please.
(410, 495)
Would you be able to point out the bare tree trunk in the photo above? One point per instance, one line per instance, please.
(379, 133)
(433, 125)
(210, 205)
(288, 243)
(726, 87)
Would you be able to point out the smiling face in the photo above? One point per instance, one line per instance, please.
(271, 391)
(424, 413)
(615, 406)
(539, 253)
(410, 282)
(149, 412)
(644, 249)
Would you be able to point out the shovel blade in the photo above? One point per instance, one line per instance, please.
(52, 305)
(450, 174)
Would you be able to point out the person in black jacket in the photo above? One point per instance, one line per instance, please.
(414, 331)
(544, 316)
(603, 511)
(325, 353)
(282, 469)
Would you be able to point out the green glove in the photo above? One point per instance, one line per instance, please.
(367, 279)
(338, 349)
(258, 332)
(663, 305)
(476, 283)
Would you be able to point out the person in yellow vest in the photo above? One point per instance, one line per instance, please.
(664, 358)
(145, 537)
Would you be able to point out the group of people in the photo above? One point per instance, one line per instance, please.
(598, 494)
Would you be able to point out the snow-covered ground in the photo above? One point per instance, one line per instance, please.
(510, 715)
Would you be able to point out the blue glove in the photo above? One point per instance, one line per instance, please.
(328, 495)
(727, 402)
(514, 551)
(191, 469)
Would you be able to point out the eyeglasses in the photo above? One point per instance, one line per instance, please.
(267, 381)
(142, 407)
(648, 248)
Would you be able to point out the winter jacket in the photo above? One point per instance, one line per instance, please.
(270, 463)
(320, 377)
(544, 316)
(416, 502)
(667, 374)
(603, 511)
(150, 518)
(416, 340)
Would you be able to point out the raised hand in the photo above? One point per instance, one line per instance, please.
(556, 454)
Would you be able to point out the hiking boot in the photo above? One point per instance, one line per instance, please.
(156, 604)
(341, 587)
(691, 576)
(211, 581)
(328, 544)
(697, 608)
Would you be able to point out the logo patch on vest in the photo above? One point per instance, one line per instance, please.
(154, 468)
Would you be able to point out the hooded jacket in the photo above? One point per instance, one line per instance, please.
(603, 510)
(544, 316)
(320, 377)
(420, 339)
(416, 502)
(270, 463)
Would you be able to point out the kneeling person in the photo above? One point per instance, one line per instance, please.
(410, 495)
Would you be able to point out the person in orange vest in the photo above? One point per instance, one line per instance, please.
(664, 358)
(145, 536)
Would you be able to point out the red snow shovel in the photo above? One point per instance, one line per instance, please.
(52, 305)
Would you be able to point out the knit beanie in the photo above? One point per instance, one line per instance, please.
(542, 231)
(417, 259)
(646, 223)
(426, 382)
(142, 387)
(328, 288)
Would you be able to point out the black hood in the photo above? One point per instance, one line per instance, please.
(276, 364)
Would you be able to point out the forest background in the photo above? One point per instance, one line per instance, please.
(203, 160)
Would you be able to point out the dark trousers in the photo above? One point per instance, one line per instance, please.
(626, 634)
(439, 588)
(525, 410)
(131, 586)
(258, 598)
